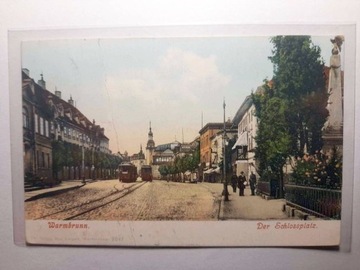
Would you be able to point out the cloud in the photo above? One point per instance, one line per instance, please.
(171, 94)
(191, 76)
(177, 76)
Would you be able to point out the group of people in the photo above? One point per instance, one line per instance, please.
(240, 182)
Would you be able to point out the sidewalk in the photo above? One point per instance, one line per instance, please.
(62, 187)
(250, 207)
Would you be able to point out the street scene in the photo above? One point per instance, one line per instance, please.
(200, 129)
(159, 200)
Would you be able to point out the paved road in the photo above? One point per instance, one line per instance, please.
(158, 200)
(161, 200)
(251, 207)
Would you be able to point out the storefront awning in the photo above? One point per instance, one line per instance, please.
(213, 170)
(242, 140)
(217, 170)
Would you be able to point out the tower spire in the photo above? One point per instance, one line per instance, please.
(150, 146)
(150, 132)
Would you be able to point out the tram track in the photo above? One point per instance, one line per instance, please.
(84, 208)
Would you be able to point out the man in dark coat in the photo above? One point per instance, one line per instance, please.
(241, 183)
(234, 180)
(252, 181)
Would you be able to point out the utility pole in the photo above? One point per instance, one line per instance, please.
(83, 160)
(226, 192)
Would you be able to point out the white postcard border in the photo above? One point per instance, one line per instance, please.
(218, 234)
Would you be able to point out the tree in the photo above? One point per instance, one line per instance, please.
(299, 79)
(58, 155)
(273, 139)
(164, 170)
(195, 159)
(292, 109)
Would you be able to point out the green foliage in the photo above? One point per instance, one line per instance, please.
(67, 154)
(299, 79)
(273, 138)
(291, 110)
(181, 164)
(319, 170)
(164, 170)
(58, 155)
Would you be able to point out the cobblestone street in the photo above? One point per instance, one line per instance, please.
(157, 200)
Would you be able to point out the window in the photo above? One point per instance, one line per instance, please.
(38, 158)
(52, 127)
(43, 159)
(36, 120)
(41, 125)
(46, 128)
(48, 160)
(25, 118)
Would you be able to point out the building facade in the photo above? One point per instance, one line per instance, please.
(244, 148)
(37, 146)
(52, 125)
(206, 133)
(138, 160)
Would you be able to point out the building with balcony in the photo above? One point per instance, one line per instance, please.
(246, 122)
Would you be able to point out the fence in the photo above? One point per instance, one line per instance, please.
(270, 188)
(320, 202)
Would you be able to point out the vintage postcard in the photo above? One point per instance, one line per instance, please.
(213, 138)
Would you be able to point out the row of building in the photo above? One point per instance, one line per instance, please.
(210, 143)
(48, 118)
(242, 129)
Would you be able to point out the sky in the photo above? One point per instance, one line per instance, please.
(177, 84)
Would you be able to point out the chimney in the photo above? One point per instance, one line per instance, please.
(41, 82)
(71, 101)
(57, 93)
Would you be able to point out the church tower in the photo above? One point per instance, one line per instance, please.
(150, 148)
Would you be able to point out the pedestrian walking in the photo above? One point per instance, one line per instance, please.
(252, 181)
(234, 180)
(241, 183)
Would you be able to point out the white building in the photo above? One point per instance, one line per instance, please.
(246, 122)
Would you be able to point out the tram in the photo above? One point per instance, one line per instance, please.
(127, 173)
(146, 173)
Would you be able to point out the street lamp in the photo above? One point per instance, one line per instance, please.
(83, 160)
(226, 192)
(92, 161)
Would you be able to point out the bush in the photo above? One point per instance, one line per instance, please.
(318, 170)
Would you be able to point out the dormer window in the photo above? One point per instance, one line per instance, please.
(61, 110)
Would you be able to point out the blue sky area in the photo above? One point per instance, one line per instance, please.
(125, 83)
